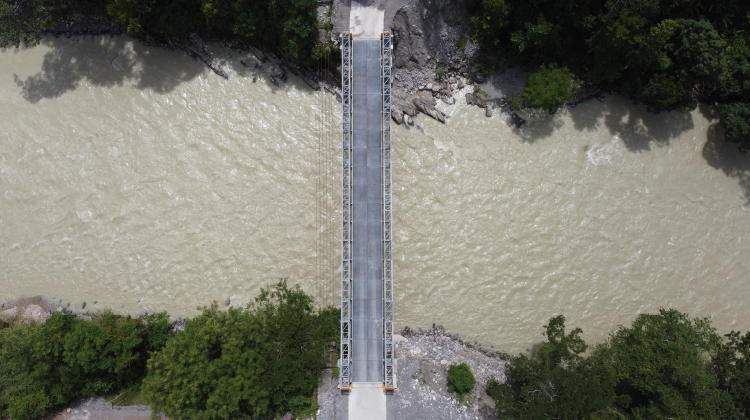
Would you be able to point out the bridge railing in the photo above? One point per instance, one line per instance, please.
(346, 192)
(386, 52)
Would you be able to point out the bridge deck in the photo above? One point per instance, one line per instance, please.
(367, 246)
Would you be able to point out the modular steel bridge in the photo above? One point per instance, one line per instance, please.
(366, 257)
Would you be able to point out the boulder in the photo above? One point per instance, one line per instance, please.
(425, 97)
(488, 110)
(397, 115)
(516, 119)
(472, 99)
(425, 103)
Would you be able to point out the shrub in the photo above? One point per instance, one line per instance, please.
(549, 88)
(460, 379)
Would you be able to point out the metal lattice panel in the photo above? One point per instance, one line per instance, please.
(385, 66)
(346, 195)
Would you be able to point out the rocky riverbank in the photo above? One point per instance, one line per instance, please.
(423, 357)
(434, 57)
(38, 309)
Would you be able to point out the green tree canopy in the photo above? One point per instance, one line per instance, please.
(43, 366)
(549, 88)
(556, 381)
(659, 367)
(22, 21)
(735, 118)
(242, 363)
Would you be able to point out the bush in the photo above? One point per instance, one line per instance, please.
(44, 366)
(549, 88)
(460, 379)
(245, 363)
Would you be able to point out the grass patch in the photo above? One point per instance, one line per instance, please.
(461, 43)
(440, 71)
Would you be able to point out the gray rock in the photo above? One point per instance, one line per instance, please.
(425, 103)
(397, 115)
(472, 99)
(488, 110)
(516, 119)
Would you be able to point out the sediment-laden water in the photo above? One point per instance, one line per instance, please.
(135, 177)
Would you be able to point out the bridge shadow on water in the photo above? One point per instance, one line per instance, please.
(106, 61)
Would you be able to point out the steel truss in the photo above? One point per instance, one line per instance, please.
(385, 72)
(346, 196)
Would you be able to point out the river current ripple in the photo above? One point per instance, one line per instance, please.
(135, 177)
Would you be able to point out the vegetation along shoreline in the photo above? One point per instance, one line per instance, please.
(667, 55)
(272, 356)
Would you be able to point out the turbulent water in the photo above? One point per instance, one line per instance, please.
(136, 178)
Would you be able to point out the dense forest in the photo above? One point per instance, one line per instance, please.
(241, 363)
(667, 54)
(289, 26)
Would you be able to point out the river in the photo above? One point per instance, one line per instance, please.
(136, 178)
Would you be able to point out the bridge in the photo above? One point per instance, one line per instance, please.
(367, 357)
(366, 257)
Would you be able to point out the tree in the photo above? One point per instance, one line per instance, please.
(131, 14)
(549, 88)
(659, 367)
(667, 92)
(734, 83)
(23, 21)
(556, 382)
(698, 51)
(614, 45)
(244, 363)
(47, 365)
(732, 368)
(735, 118)
(662, 367)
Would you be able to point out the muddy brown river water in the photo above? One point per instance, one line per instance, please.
(133, 176)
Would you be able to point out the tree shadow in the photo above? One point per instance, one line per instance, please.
(709, 112)
(720, 154)
(633, 124)
(106, 61)
(539, 125)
